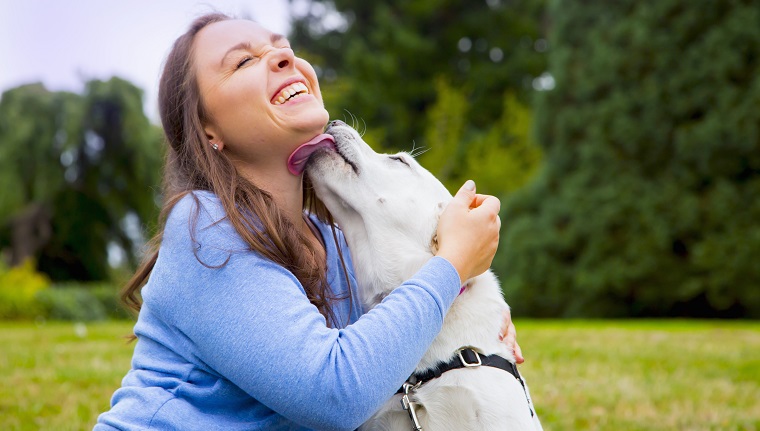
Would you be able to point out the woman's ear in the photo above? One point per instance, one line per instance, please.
(214, 138)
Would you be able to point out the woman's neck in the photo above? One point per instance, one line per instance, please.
(287, 191)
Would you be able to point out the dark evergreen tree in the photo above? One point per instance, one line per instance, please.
(648, 201)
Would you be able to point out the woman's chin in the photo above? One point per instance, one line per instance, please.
(313, 122)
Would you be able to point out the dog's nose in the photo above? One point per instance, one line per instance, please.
(334, 123)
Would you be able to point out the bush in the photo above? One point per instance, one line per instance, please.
(19, 287)
(28, 294)
(108, 295)
(71, 304)
(81, 302)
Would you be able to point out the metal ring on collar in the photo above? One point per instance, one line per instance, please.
(473, 363)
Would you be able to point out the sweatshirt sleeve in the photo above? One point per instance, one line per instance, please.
(250, 321)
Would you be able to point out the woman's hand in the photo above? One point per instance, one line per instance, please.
(468, 231)
(508, 336)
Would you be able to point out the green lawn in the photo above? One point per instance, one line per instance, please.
(584, 375)
(643, 375)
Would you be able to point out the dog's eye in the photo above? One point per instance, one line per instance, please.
(400, 159)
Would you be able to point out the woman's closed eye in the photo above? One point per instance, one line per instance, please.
(243, 61)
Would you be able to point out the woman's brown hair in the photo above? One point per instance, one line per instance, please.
(191, 164)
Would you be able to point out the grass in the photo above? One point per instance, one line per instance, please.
(583, 375)
(59, 376)
(643, 375)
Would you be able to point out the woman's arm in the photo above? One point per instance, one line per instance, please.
(251, 322)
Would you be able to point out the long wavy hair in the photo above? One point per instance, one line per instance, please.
(191, 164)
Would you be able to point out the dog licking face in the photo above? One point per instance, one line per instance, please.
(388, 201)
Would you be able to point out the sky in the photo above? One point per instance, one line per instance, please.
(63, 44)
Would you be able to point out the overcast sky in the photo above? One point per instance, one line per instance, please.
(65, 43)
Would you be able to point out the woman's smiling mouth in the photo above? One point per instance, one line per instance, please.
(289, 92)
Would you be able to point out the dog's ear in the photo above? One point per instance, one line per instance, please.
(434, 241)
(434, 244)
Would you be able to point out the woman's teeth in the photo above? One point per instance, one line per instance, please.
(291, 92)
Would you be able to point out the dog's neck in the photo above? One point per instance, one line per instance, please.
(474, 319)
(376, 286)
(385, 272)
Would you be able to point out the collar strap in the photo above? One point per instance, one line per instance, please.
(466, 357)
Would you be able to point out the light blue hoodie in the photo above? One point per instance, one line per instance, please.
(231, 342)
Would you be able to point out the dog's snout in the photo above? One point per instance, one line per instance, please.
(335, 123)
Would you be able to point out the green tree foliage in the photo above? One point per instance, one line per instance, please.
(500, 158)
(647, 203)
(79, 172)
(380, 60)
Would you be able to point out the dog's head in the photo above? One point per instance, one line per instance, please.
(387, 205)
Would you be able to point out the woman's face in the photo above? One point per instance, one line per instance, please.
(262, 101)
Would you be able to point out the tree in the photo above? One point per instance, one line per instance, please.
(500, 158)
(380, 60)
(82, 173)
(646, 205)
(33, 131)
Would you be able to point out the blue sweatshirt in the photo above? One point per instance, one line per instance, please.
(228, 340)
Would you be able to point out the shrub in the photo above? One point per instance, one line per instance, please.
(71, 304)
(108, 295)
(19, 287)
(82, 302)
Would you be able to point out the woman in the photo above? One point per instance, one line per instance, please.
(249, 316)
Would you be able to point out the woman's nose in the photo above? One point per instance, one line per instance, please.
(282, 58)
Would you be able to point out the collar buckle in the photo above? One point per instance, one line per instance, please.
(473, 357)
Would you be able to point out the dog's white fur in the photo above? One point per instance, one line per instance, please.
(388, 208)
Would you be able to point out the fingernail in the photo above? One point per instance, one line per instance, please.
(469, 185)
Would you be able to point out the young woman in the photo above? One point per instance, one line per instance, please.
(248, 313)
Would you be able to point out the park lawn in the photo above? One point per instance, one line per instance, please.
(643, 375)
(583, 375)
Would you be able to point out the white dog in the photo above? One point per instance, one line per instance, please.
(388, 207)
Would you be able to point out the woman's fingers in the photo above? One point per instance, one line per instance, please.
(468, 231)
(486, 203)
(518, 354)
(508, 336)
(478, 200)
(505, 322)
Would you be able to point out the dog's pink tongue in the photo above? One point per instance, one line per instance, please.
(297, 160)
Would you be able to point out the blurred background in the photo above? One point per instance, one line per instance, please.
(624, 140)
(622, 137)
